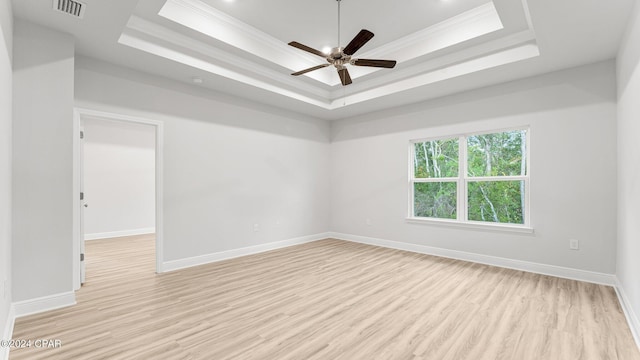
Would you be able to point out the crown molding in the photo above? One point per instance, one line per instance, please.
(444, 61)
(172, 54)
(207, 20)
(523, 52)
(217, 56)
(469, 25)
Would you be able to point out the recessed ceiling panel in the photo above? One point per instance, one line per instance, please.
(315, 22)
(201, 17)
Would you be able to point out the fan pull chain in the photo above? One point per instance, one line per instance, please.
(344, 96)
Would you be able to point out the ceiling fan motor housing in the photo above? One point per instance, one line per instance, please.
(338, 58)
(336, 53)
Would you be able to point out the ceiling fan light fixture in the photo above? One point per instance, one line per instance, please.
(341, 56)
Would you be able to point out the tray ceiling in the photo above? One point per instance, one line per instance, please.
(240, 47)
(469, 37)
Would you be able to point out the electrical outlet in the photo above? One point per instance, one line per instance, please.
(574, 244)
(368, 221)
(256, 227)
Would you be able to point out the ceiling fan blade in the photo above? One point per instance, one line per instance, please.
(389, 64)
(362, 38)
(296, 44)
(344, 76)
(309, 69)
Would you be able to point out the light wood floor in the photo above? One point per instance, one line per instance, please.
(326, 300)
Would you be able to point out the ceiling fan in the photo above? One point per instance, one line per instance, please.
(339, 56)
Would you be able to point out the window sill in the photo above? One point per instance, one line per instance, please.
(472, 225)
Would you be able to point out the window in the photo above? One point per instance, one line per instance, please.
(479, 178)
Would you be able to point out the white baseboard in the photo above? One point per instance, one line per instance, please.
(558, 271)
(30, 307)
(120, 233)
(7, 333)
(46, 303)
(632, 317)
(234, 253)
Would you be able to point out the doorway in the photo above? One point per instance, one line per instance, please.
(118, 178)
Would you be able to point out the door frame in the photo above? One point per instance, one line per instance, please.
(80, 113)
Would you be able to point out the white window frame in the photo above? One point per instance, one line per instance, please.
(462, 181)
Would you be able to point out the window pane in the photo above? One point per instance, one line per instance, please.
(435, 200)
(436, 159)
(496, 201)
(500, 154)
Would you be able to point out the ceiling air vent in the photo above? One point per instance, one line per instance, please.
(71, 7)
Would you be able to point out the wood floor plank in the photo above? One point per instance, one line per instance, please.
(328, 299)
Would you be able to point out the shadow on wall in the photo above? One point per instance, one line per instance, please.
(629, 54)
(49, 51)
(103, 83)
(595, 84)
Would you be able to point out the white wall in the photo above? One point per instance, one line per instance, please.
(572, 116)
(119, 178)
(42, 161)
(628, 264)
(228, 164)
(6, 81)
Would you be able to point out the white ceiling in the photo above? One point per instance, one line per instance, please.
(442, 46)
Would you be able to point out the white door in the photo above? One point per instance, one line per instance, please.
(83, 202)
